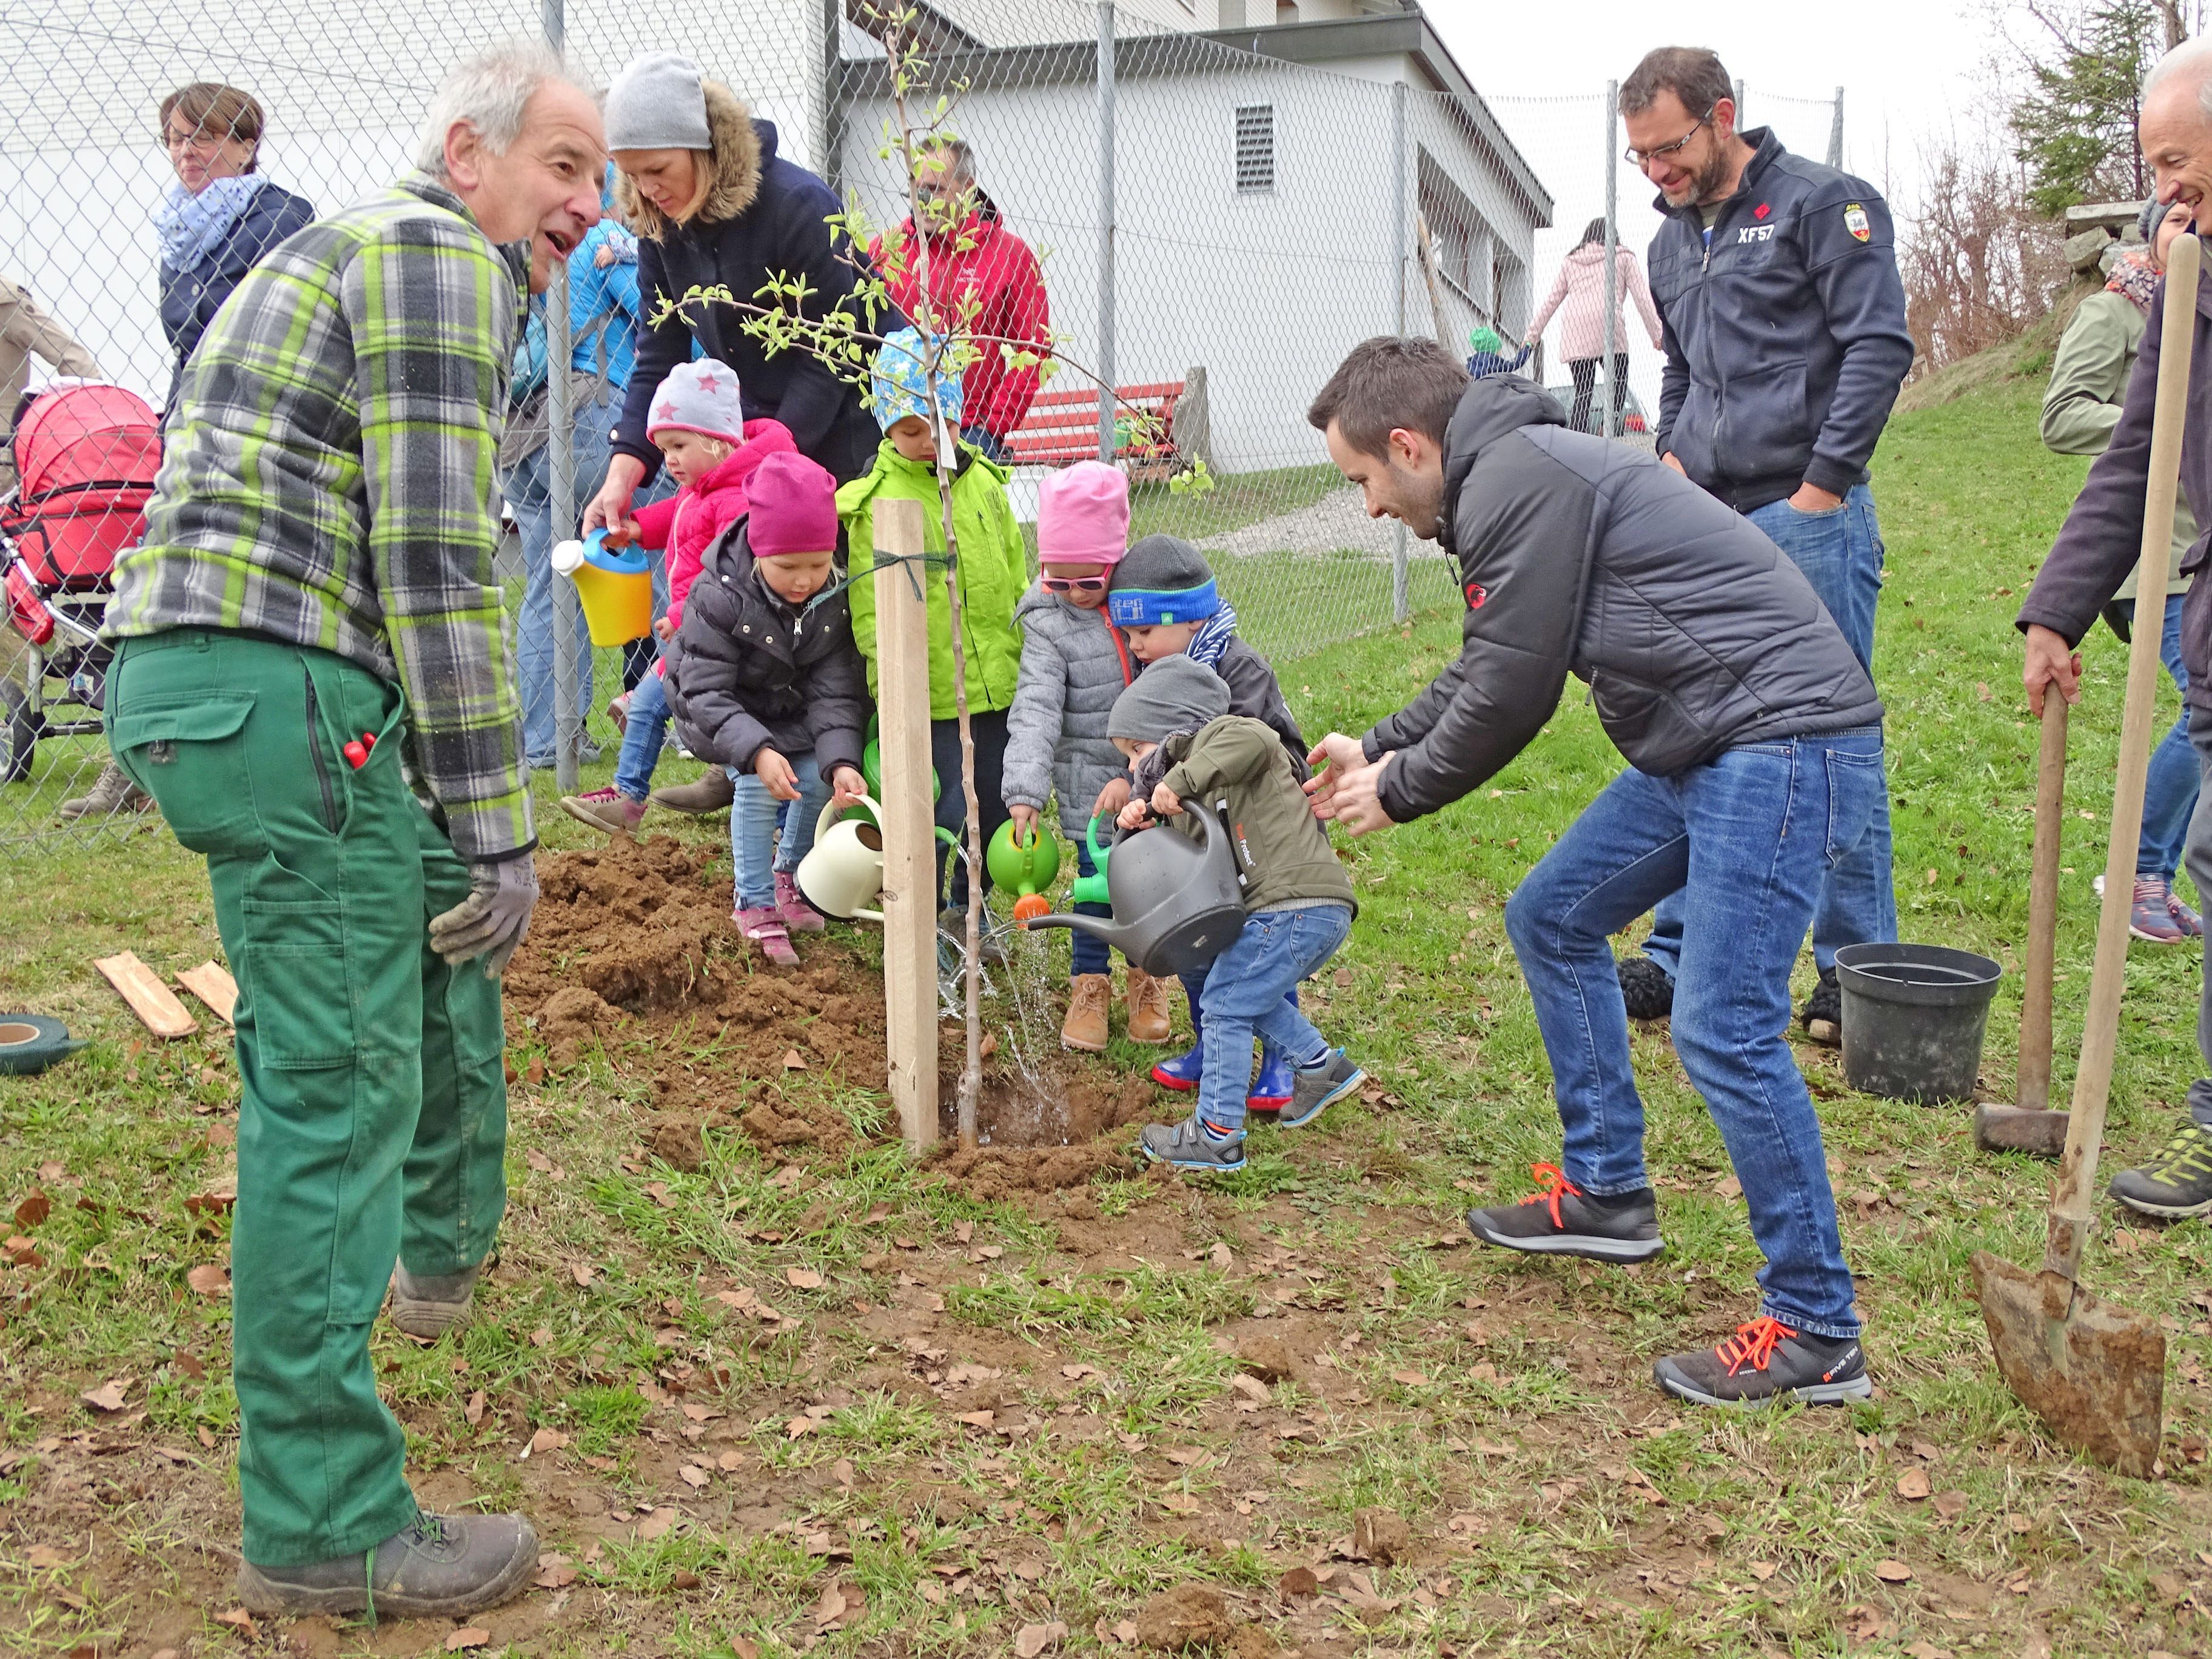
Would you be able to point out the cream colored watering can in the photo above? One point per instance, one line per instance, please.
(843, 875)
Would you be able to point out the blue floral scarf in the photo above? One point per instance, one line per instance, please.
(192, 226)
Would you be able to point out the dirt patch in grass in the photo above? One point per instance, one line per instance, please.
(633, 951)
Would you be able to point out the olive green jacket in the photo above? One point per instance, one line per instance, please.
(2088, 382)
(1282, 850)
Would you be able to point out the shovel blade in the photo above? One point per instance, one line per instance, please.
(2095, 1374)
(2041, 1131)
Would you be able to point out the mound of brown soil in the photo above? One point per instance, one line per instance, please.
(635, 938)
(633, 949)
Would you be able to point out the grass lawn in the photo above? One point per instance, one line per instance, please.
(977, 1415)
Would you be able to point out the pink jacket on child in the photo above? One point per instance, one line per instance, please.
(687, 523)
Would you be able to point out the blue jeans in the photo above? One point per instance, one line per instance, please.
(645, 728)
(2170, 792)
(529, 491)
(1249, 986)
(1840, 553)
(753, 817)
(1747, 841)
(1089, 955)
(993, 447)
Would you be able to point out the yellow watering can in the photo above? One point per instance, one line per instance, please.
(615, 587)
(842, 875)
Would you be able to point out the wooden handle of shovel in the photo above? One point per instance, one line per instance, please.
(2074, 1194)
(2034, 1091)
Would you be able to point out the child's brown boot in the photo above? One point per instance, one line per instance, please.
(1089, 998)
(1149, 1019)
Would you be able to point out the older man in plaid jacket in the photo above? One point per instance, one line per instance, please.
(314, 680)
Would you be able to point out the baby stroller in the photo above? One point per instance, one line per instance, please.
(85, 454)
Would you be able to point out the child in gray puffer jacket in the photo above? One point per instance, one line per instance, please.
(1074, 664)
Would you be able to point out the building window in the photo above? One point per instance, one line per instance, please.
(1256, 150)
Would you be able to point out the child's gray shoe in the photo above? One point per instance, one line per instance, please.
(1186, 1145)
(1317, 1088)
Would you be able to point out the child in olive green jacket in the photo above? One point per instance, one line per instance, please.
(1188, 755)
(994, 572)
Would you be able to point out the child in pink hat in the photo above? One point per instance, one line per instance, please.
(1074, 663)
(697, 420)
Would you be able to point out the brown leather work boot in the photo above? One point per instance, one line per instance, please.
(1150, 1016)
(1089, 998)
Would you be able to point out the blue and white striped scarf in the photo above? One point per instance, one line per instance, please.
(1212, 637)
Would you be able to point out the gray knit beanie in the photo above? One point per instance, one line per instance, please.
(658, 101)
(1163, 564)
(1172, 694)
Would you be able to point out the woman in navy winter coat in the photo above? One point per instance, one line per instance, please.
(714, 205)
(220, 215)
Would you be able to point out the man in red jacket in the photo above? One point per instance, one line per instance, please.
(974, 263)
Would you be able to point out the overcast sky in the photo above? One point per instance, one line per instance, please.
(1908, 68)
(1905, 65)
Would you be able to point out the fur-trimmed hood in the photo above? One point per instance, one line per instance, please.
(739, 150)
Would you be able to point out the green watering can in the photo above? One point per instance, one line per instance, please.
(1092, 890)
(1026, 870)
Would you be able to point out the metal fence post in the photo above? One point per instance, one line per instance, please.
(1836, 133)
(1739, 106)
(561, 456)
(1401, 555)
(832, 123)
(1106, 445)
(1612, 261)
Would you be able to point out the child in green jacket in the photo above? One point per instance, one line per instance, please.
(993, 571)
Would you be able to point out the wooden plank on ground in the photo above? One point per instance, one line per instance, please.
(155, 1003)
(212, 984)
(909, 820)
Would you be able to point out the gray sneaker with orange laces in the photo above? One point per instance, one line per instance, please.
(1559, 1218)
(1765, 1361)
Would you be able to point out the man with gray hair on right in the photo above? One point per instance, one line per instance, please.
(2097, 545)
(313, 679)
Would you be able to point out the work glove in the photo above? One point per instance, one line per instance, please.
(492, 919)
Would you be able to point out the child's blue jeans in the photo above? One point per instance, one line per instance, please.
(1247, 991)
(753, 846)
(645, 728)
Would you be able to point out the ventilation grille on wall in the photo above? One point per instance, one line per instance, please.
(1256, 149)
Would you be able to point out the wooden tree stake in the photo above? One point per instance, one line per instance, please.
(909, 820)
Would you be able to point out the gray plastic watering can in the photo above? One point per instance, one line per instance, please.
(1178, 903)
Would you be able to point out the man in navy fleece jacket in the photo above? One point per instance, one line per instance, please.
(1783, 323)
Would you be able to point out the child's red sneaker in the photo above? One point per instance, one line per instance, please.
(766, 931)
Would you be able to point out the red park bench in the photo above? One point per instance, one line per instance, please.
(1062, 428)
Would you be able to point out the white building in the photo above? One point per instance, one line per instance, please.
(1268, 181)
(1269, 168)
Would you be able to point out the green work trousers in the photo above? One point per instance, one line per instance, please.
(373, 1118)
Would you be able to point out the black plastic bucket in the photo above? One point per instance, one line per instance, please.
(1914, 1017)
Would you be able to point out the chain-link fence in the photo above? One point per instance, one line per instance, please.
(1215, 217)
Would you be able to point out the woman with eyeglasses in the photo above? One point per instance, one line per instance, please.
(221, 215)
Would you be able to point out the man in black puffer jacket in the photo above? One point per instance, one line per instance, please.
(1754, 738)
(763, 678)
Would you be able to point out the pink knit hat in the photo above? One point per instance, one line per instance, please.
(794, 503)
(698, 396)
(1083, 515)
